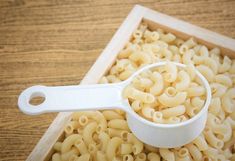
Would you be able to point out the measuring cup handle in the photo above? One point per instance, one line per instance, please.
(71, 98)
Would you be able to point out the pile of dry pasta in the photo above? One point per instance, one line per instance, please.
(166, 94)
(105, 136)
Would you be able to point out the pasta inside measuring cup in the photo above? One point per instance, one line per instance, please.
(167, 94)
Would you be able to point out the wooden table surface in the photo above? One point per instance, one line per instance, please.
(56, 42)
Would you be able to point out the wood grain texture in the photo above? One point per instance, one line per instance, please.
(55, 42)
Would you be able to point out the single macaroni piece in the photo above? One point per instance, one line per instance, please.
(56, 157)
(174, 49)
(105, 135)
(116, 132)
(147, 112)
(201, 143)
(69, 142)
(112, 147)
(227, 154)
(71, 126)
(137, 34)
(187, 56)
(134, 93)
(228, 102)
(158, 117)
(88, 132)
(206, 72)
(125, 149)
(83, 120)
(195, 152)
(158, 86)
(176, 58)
(223, 131)
(117, 159)
(142, 83)
(166, 54)
(126, 52)
(127, 157)
(190, 43)
(167, 37)
(217, 89)
(172, 120)
(103, 80)
(231, 121)
(65, 156)
(151, 36)
(174, 111)
(171, 99)
(153, 157)
(137, 145)
(57, 146)
(232, 68)
(178, 42)
(140, 57)
(118, 124)
(183, 118)
(225, 66)
(184, 81)
(224, 80)
(125, 74)
(213, 121)
(203, 51)
(100, 156)
(81, 146)
(141, 157)
(197, 102)
(211, 152)
(212, 139)
(167, 154)
(109, 115)
(190, 69)
(136, 105)
(84, 157)
(190, 109)
(183, 154)
(211, 63)
(171, 72)
(104, 139)
(195, 91)
(92, 149)
(183, 49)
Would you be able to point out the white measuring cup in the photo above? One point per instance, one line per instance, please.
(109, 96)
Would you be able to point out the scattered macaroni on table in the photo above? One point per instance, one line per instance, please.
(105, 136)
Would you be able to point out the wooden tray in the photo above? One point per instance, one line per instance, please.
(43, 150)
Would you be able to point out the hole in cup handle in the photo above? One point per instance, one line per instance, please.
(28, 94)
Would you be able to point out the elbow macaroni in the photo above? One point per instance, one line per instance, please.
(112, 147)
(171, 87)
(105, 136)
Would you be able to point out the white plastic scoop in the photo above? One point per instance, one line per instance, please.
(109, 96)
